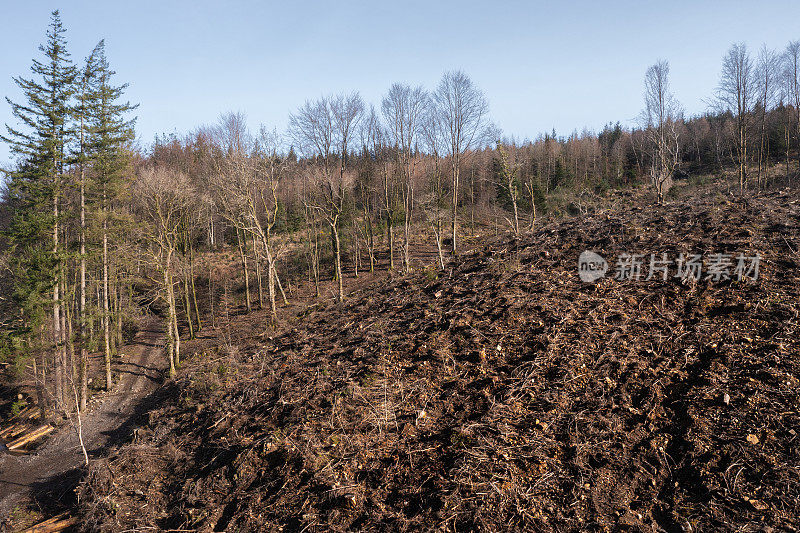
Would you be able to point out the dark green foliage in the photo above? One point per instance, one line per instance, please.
(35, 185)
(560, 176)
(109, 131)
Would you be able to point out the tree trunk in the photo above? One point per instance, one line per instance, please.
(437, 233)
(315, 262)
(177, 334)
(211, 297)
(119, 320)
(390, 236)
(407, 238)
(84, 352)
(65, 343)
(170, 313)
(57, 334)
(106, 314)
(455, 200)
(66, 327)
(338, 258)
(370, 243)
(513, 188)
(257, 263)
(194, 290)
(243, 258)
(280, 286)
(40, 395)
(187, 302)
(355, 250)
(270, 283)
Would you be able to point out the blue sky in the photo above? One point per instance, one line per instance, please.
(543, 65)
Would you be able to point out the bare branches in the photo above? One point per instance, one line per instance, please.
(463, 113)
(737, 92)
(660, 119)
(165, 198)
(324, 130)
(404, 109)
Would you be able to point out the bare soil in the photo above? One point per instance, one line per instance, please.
(503, 394)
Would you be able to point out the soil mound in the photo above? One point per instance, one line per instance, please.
(503, 394)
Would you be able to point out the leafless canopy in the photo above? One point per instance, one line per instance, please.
(737, 92)
(462, 110)
(661, 116)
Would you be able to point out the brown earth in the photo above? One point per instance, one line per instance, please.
(503, 394)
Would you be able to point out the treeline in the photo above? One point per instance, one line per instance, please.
(95, 228)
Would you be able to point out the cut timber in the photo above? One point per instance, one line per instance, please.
(33, 435)
(16, 430)
(6, 432)
(20, 423)
(29, 412)
(53, 525)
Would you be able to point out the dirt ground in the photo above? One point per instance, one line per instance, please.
(40, 484)
(502, 394)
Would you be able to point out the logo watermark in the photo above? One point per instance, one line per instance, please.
(591, 266)
(714, 267)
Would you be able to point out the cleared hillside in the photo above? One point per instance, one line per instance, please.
(501, 394)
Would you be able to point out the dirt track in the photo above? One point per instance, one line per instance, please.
(46, 473)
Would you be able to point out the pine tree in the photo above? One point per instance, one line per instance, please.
(38, 181)
(85, 93)
(109, 132)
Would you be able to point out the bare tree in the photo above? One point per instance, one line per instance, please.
(234, 173)
(507, 179)
(324, 130)
(660, 122)
(372, 147)
(404, 110)
(767, 68)
(164, 197)
(263, 206)
(463, 111)
(791, 89)
(737, 93)
(246, 191)
(433, 140)
(377, 139)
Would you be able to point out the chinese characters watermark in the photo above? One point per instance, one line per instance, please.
(713, 267)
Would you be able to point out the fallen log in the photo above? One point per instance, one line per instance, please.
(33, 435)
(7, 430)
(17, 429)
(24, 413)
(53, 525)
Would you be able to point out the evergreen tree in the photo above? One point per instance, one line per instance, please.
(109, 131)
(36, 185)
(85, 94)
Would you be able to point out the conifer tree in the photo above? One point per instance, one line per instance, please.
(39, 145)
(84, 96)
(109, 132)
